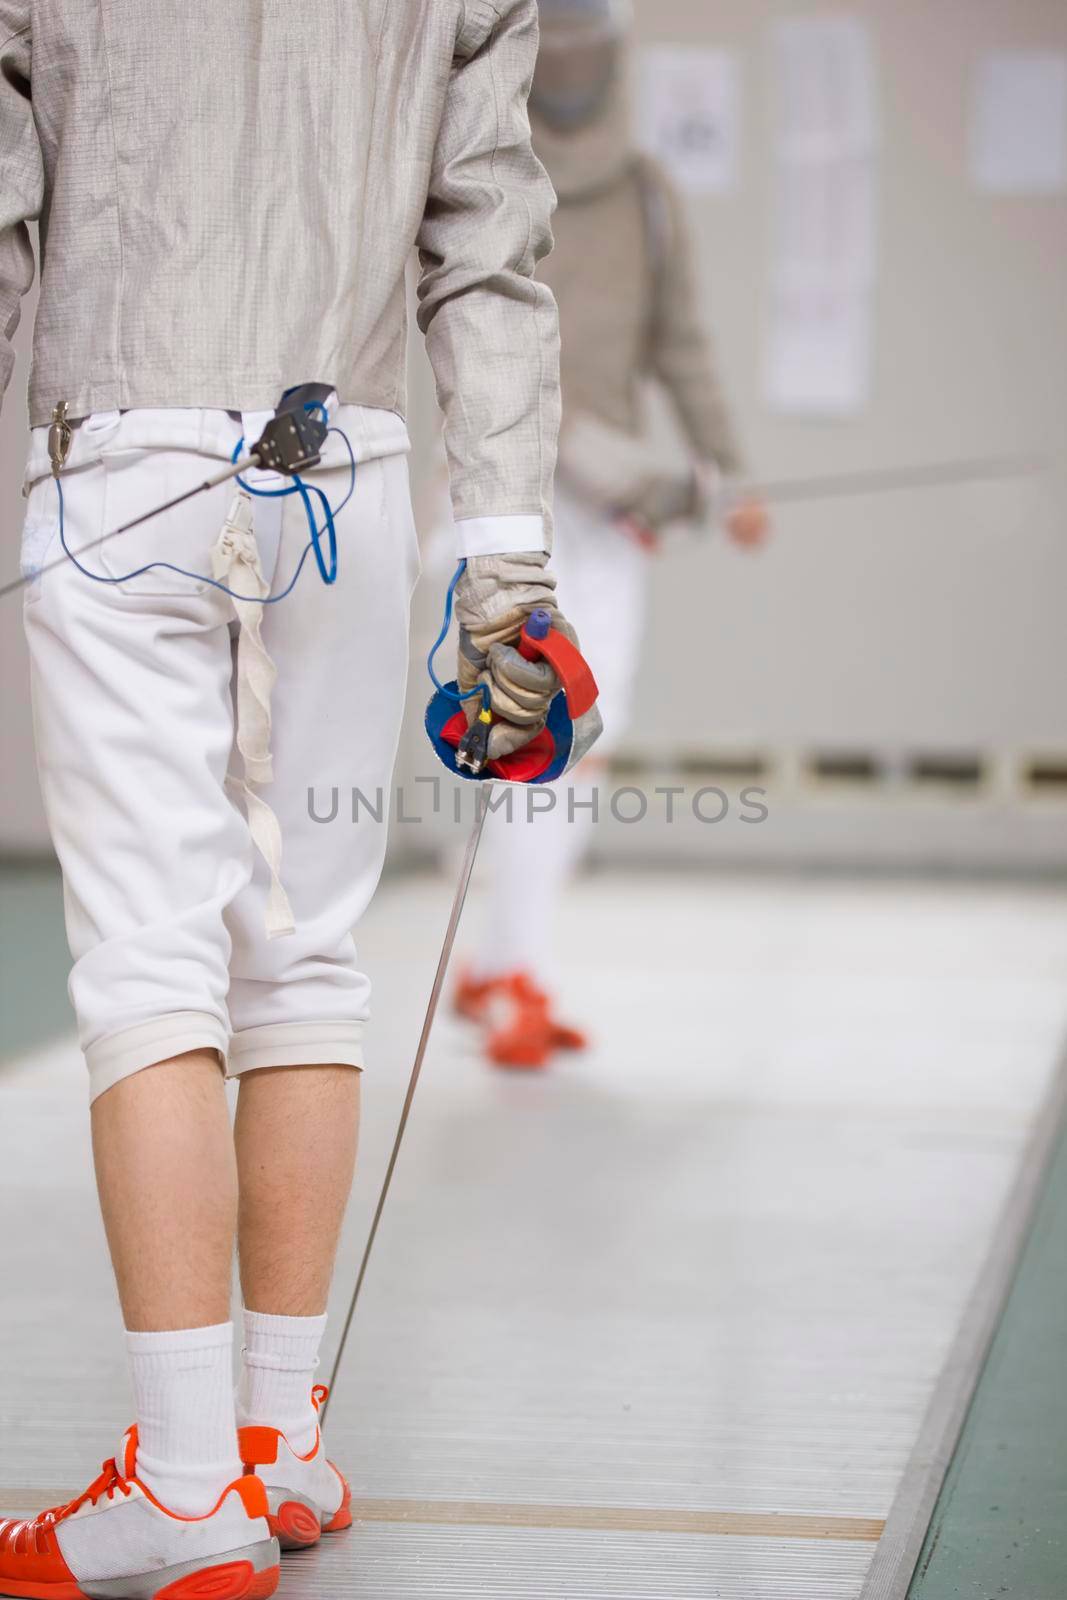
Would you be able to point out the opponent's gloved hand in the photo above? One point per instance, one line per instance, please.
(627, 476)
(494, 597)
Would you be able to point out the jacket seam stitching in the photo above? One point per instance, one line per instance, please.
(497, 17)
(534, 307)
(118, 368)
(398, 385)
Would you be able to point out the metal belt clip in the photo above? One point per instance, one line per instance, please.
(60, 435)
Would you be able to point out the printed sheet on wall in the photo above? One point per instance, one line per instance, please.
(689, 111)
(819, 346)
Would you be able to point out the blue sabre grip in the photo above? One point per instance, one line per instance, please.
(539, 623)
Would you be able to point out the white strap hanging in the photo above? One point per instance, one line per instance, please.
(235, 562)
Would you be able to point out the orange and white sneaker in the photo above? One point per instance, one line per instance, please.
(472, 996)
(306, 1495)
(117, 1542)
(527, 1032)
(518, 1014)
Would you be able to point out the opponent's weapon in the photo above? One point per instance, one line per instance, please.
(889, 480)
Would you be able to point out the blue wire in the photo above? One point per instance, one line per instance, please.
(442, 688)
(327, 569)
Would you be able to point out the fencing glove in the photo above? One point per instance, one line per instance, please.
(627, 477)
(494, 597)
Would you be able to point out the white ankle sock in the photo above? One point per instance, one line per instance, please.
(280, 1358)
(186, 1423)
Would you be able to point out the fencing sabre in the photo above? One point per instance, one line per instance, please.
(482, 798)
(889, 480)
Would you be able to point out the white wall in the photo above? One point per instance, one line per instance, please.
(932, 617)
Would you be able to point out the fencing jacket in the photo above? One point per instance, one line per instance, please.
(228, 195)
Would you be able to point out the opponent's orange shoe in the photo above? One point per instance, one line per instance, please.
(117, 1540)
(528, 1034)
(306, 1495)
(472, 997)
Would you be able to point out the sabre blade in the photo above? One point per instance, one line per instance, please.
(788, 491)
(157, 511)
(190, 494)
(469, 858)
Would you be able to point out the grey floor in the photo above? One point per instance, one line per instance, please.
(662, 1323)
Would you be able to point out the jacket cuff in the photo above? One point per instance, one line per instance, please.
(498, 536)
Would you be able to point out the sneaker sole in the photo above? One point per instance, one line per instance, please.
(297, 1523)
(252, 1573)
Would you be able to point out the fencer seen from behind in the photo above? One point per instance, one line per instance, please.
(227, 199)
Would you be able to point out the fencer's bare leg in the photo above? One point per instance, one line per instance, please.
(297, 1133)
(167, 1178)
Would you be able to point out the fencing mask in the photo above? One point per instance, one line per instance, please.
(580, 59)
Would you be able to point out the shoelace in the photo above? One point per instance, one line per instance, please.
(107, 1483)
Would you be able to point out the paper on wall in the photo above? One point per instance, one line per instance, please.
(824, 72)
(820, 335)
(822, 353)
(1019, 123)
(689, 109)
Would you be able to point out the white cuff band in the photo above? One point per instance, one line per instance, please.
(296, 1044)
(498, 536)
(146, 1044)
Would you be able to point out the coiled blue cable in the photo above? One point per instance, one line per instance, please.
(327, 567)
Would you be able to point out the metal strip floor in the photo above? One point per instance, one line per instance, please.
(663, 1323)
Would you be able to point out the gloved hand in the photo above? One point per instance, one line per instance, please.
(494, 597)
(627, 476)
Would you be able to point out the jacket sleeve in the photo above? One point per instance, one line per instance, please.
(682, 355)
(491, 330)
(21, 175)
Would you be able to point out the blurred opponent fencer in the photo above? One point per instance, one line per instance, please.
(624, 275)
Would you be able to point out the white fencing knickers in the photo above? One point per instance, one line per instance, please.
(167, 897)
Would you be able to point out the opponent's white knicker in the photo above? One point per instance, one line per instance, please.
(603, 577)
(166, 895)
